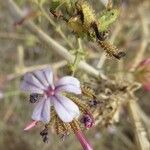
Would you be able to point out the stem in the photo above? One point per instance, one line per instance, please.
(58, 29)
(85, 144)
(78, 57)
(140, 132)
(43, 37)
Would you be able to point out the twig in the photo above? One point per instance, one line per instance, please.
(17, 74)
(20, 65)
(144, 118)
(11, 35)
(57, 28)
(140, 132)
(42, 36)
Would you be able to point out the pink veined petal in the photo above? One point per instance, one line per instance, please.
(69, 88)
(49, 76)
(30, 79)
(42, 111)
(40, 75)
(30, 125)
(26, 87)
(68, 84)
(65, 108)
(68, 80)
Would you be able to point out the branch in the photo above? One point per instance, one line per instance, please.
(140, 132)
(16, 12)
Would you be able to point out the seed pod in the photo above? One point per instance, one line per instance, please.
(86, 12)
(111, 50)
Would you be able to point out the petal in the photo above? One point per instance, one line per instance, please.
(66, 109)
(49, 76)
(68, 84)
(30, 125)
(31, 79)
(31, 88)
(32, 82)
(42, 111)
(43, 76)
(69, 88)
(68, 80)
(147, 87)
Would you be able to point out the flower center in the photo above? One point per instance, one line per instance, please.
(50, 91)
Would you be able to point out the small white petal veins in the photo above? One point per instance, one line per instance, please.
(65, 108)
(42, 111)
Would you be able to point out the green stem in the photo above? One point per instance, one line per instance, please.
(78, 57)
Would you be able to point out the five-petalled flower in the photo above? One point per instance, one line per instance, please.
(41, 82)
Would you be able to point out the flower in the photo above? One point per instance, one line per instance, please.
(85, 144)
(142, 73)
(41, 82)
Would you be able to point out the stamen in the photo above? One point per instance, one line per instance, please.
(50, 92)
(44, 134)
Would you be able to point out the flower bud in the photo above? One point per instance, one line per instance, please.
(142, 73)
(87, 120)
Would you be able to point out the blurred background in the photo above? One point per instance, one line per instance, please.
(20, 49)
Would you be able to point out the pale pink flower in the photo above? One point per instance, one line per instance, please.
(142, 73)
(41, 82)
